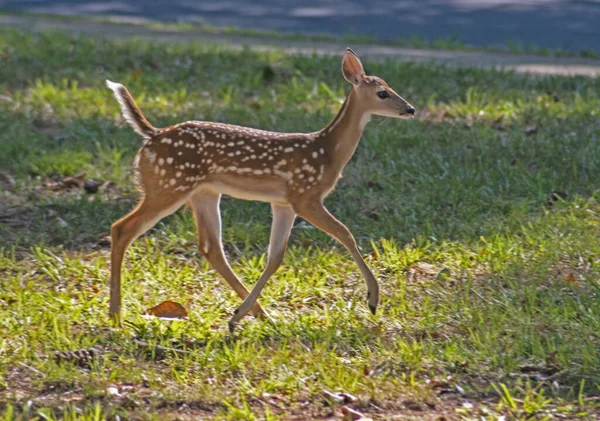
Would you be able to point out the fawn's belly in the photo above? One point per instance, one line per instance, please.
(262, 190)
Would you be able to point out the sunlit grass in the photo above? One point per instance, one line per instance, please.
(483, 231)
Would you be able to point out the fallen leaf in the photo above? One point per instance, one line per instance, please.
(366, 371)
(570, 278)
(373, 256)
(168, 310)
(74, 181)
(529, 130)
(352, 415)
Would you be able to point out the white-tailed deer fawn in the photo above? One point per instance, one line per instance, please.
(196, 162)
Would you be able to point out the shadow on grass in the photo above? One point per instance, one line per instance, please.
(419, 181)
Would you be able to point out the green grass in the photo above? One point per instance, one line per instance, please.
(484, 233)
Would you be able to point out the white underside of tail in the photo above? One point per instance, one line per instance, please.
(116, 88)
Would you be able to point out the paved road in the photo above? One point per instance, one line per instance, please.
(519, 63)
(573, 24)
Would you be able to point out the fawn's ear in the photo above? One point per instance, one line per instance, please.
(352, 68)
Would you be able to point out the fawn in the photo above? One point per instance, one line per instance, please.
(195, 162)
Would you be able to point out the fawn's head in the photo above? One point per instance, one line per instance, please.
(374, 94)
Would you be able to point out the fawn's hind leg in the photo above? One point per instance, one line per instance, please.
(147, 213)
(208, 222)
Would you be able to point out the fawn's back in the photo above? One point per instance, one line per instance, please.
(221, 157)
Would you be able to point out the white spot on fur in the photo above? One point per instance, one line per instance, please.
(150, 155)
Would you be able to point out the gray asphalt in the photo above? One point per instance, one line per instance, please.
(572, 24)
(521, 63)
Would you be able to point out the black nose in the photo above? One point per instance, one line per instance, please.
(410, 110)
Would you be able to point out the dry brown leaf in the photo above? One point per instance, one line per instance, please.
(570, 278)
(366, 371)
(373, 256)
(75, 181)
(168, 310)
(352, 415)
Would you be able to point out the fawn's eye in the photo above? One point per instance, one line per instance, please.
(383, 94)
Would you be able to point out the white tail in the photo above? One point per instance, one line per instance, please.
(131, 112)
(195, 162)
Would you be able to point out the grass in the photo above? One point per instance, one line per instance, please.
(481, 219)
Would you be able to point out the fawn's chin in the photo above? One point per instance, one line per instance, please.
(406, 116)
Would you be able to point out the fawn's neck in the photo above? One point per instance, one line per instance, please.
(342, 135)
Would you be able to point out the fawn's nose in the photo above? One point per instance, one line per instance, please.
(410, 110)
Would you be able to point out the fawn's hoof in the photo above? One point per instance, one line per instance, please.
(232, 326)
(373, 309)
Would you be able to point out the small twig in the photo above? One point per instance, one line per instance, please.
(474, 291)
(35, 370)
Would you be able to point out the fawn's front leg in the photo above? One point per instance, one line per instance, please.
(208, 222)
(315, 213)
(283, 219)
